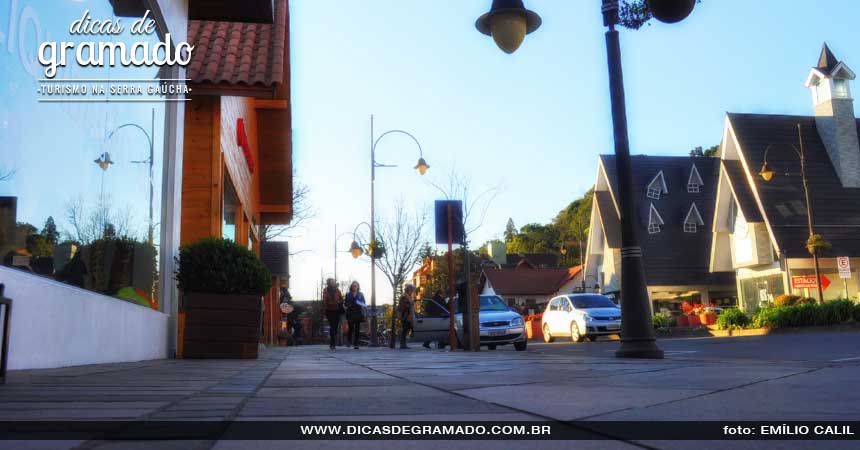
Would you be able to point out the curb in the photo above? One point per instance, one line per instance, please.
(707, 332)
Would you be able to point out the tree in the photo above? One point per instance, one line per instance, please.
(510, 230)
(303, 211)
(49, 231)
(475, 207)
(103, 221)
(712, 151)
(401, 237)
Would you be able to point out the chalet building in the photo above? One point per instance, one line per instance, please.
(529, 286)
(237, 160)
(674, 199)
(760, 227)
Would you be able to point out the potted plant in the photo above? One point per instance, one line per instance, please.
(683, 320)
(222, 285)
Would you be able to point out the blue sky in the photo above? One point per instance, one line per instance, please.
(533, 121)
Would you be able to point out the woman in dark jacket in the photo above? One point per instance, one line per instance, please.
(355, 305)
(333, 303)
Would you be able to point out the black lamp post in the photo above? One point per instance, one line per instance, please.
(508, 22)
(767, 174)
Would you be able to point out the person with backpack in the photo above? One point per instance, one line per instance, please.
(406, 313)
(333, 304)
(355, 305)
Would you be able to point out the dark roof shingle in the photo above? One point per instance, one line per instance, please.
(835, 209)
(673, 257)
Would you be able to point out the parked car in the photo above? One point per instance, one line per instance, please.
(580, 316)
(499, 325)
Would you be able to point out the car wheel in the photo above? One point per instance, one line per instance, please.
(546, 336)
(575, 335)
(520, 346)
(592, 338)
(491, 347)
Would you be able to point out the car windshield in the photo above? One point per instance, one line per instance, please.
(592, 301)
(492, 303)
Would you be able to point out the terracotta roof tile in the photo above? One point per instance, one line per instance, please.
(237, 52)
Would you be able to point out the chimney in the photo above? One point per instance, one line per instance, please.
(834, 115)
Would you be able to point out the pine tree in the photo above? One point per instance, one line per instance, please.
(49, 231)
(510, 230)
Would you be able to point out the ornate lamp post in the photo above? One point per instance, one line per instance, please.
(421, 167)
(508, 22)
(767, 174)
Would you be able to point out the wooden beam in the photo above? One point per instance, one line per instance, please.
(271, 104)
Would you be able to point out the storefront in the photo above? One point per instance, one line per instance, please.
(88, 170)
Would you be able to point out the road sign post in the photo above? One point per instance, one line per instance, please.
(843, 263)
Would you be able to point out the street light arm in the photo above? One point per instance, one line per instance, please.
(420, 150)
(134, 125)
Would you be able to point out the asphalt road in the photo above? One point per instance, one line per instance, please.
(805, 346)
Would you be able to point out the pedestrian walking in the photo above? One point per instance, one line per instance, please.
(406, 313)
(355, 304)
(333, 304)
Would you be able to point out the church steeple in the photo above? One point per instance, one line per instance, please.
(827, 61)
(829, 82)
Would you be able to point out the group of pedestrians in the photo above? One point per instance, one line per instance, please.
(353, 305)
(336, 305)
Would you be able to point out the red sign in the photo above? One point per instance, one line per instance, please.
(242, 140)
(808, 282)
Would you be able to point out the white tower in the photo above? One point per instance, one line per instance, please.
(834, 115)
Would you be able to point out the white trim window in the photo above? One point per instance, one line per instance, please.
(694, 182)
(655, 222)
(693, 220)
(657, 187)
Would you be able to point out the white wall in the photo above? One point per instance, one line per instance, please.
(57, 325)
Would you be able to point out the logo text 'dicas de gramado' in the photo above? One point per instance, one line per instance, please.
(53, 55)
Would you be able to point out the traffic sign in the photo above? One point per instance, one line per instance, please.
(808, 282)
(844, 265)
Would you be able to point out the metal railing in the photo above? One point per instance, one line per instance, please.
(6, 314)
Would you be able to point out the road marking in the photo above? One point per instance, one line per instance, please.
(674, 351)
(854, 358)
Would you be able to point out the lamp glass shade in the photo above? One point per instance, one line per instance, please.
(765, 173)
(671, 11)
(422, 166)
(355, 250)
(508, 30)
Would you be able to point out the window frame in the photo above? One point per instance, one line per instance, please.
(691, 227)
(654, 228)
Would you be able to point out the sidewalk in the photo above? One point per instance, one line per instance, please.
(544, 383)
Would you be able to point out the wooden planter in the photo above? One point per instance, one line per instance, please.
(708, 318)
(221, 326)
(683, 320)
(694, 320)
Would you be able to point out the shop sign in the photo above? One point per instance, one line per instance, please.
(808, 282)
(844, 265)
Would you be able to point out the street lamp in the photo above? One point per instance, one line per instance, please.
(104, 162)
(421, 167)
(637, 333)
(767, 174)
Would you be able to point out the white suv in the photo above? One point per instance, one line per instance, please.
(580, 316)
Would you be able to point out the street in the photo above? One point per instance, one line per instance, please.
(777, 377)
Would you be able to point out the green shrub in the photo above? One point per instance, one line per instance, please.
(791, 300)
(659, 321)
(806, 314)
(857, 312)
(220, 266)
(732, 318)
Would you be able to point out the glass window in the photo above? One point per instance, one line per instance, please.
(758, 292)
(693, 188)
(654, 194)
(80, 181)
(231, 208)
(492, 303)
(591, 301)
(690, 227)
(840, 88)
(653, 228)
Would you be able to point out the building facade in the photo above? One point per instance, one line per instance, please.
(529, 287)
(674, 205)
(761, 226)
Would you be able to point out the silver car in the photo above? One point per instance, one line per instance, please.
(499, 325)
(580, 316)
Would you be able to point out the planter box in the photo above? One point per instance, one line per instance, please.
(221, 326)
(683, 320)
(694, 321)
(708, 319)
(533, 329)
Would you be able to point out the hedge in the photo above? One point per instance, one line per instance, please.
(807, 314)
